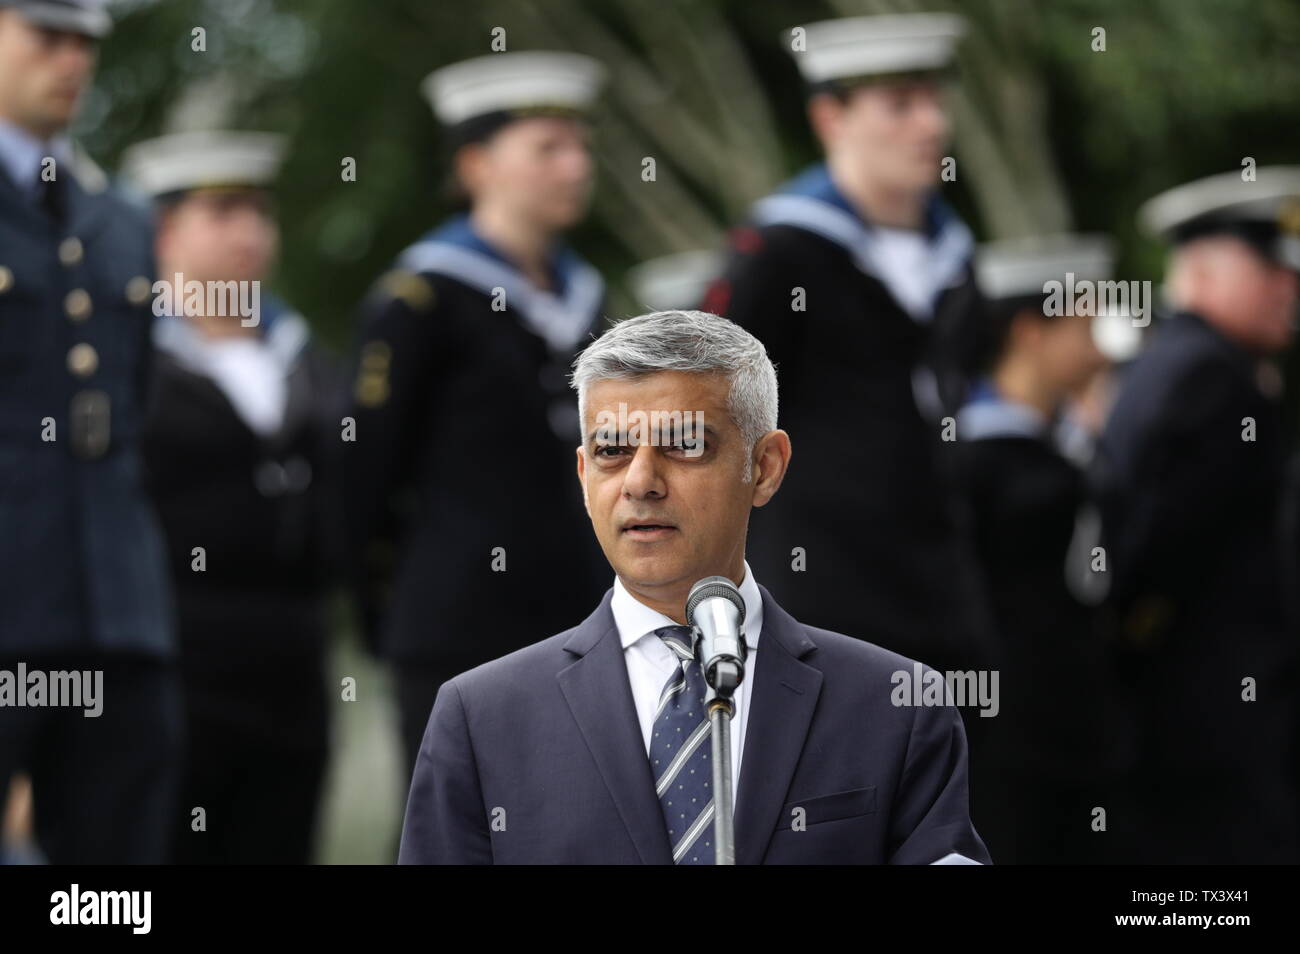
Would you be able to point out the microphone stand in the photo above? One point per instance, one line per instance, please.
(722, 681)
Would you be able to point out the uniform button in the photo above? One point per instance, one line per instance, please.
(77, 304)
(6, 279)
(138, 289)
(70, 251)
(83, 360)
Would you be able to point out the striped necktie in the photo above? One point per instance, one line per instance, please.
(681, 752)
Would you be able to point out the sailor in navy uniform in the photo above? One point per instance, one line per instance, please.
(462, 373)
(847, 274)
(1058, 745)
(241, 442)
(1190, 470)
(83, 583)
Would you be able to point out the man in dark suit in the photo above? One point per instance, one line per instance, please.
(83, 581)
(1190, 471)
(856, 277)
(591, 745)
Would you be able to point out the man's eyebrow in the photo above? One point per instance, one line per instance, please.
(708, 430)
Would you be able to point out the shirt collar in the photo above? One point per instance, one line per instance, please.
(21, 154)
(634, 619)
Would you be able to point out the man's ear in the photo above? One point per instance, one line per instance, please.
(771, 460)
(824, 112)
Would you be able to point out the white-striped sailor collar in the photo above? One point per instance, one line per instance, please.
(560, 318)
(811, 201)
(283, 330)
(988, 414)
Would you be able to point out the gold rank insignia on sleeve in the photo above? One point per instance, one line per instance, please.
(408, 287)
(372, 387)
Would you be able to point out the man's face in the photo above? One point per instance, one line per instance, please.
(1249, 298)
(665, 518)
(538, 169)
(1068, 354)
(42, 74)
(219, 236)
(897, 132)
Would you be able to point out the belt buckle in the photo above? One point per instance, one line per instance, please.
(89, 420)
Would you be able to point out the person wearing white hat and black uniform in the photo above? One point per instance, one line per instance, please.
(1059, 744)
(1191, 470)
(847, 274)
(461, 373)
(241, 446)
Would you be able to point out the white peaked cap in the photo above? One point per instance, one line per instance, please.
(868, 46)
(195, 160)
(1226, 194)
(509, 81)
(1020, 267)
(675, 281)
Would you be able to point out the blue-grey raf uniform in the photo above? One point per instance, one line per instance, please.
(82, 578)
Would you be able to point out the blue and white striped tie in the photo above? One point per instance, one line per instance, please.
(680, 754)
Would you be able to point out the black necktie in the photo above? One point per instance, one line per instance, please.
(53, 195)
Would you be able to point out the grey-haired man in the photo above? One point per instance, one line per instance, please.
(591, 746)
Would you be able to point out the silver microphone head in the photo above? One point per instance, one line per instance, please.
(710, 587)
(715, 607)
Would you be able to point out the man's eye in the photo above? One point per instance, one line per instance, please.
(600, 451)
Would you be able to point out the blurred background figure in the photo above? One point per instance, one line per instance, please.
(82, 578)
(1190, 470)
(462, 371)
(846, 275)
(1057, 746)
(675, 282)
(240, 445)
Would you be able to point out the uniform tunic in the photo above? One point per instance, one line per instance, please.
(463, 471)
(1059, 743)
(866, 500)
(1191, 518)
(259, 501)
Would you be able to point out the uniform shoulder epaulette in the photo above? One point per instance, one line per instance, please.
(409, 287)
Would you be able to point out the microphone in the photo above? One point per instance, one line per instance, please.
(715, 607)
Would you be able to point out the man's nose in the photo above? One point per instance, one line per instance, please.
(643, 477)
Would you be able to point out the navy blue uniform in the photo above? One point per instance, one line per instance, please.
(82, 576)
(463, 466)
(252, 625)
(866, 500)
(1191, 518)
(1059, 744)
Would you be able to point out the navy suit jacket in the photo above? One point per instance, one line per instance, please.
(538, 758)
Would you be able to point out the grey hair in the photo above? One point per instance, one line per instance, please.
(687, 341)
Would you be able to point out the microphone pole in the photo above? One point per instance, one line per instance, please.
(715, 608)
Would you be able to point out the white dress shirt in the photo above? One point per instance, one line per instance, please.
(22, 154)
(650, 662)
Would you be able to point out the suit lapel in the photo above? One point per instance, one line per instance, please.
(598, 693)
(785, 693)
